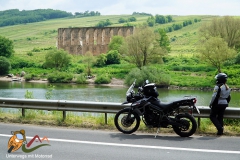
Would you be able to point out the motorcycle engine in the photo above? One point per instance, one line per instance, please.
(151, 118)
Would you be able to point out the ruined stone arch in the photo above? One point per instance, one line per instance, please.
(120, 32)
(87, 37)
(72, 37)
(128, 32)
(111, 34)
(93, 39)
(64, 37)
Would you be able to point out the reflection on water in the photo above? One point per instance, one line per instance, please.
(99, 93)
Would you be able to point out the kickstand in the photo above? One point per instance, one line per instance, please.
(157, 132)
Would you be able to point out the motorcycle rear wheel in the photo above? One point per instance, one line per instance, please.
(188, 125)
(125, 125)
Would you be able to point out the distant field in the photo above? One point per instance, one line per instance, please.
(44, 34)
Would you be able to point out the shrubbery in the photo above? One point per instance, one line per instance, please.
(60, 77)
(57, 59)
(81, 79)
(5, 65)
(113, 57)
(6, 47)
(103, 79)
(154, 75)
(21, 63)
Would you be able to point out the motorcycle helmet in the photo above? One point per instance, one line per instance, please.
(221, 78)
(150, 90)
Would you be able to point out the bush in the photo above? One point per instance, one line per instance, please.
(57, 59)
(5, 65)
(81, 79)
(237, 60)
(103, 79)
(113, 57)
(79, 69)
(28, 77)
(132, 19)
(101, 60)
(6, 47)
(60, 77)
(29, 53)
(122, 20)
(154, 75)
(21, 63)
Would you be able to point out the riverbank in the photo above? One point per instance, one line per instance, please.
(115, 83)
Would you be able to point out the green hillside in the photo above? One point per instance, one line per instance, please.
(44, 34)
(189, 72)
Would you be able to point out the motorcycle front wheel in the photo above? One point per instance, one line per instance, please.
(187, 125)
(126, 122)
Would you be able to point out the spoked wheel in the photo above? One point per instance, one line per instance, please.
(127, 122)
(187, 127)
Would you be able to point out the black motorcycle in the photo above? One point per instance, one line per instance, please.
(154, 113)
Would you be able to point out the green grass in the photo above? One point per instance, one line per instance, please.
(44, 34)
(36, 38)
(97, 121)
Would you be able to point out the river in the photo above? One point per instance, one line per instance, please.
(98, 93)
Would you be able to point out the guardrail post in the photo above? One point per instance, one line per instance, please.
(199, 122)
(23, 112)
(105, 118)
(64, 115)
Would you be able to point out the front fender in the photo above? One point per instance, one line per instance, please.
(136, 110)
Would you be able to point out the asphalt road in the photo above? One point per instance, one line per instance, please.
(81, 144)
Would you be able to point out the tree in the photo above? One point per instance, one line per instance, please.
(113, 57)
(225, 27)
(164, 40)
(132, 19)
(57, 59)
(101, 60)
(169, 18)
(161, 19)
(115, 43)
(89, 59)
(6, 47)
(104, 24)
(5, 65)
(215, 51)
(100, 24)
(108, 22)
(151, 21)
(143, 47)
(122, 20)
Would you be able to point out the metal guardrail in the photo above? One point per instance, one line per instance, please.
(86, 106)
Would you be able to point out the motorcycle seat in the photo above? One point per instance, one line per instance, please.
(163, 105)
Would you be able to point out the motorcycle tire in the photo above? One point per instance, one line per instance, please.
(188, 125)
(126, 126)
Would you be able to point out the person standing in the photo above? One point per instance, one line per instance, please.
(219, 102)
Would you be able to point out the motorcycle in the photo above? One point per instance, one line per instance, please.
(156, 114)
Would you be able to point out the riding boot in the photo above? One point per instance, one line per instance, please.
(220, 131)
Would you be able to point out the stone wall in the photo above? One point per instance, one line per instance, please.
(80, 40)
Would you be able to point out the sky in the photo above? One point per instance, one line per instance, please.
(119, 7)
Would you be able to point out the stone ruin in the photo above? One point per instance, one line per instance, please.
(78, 41)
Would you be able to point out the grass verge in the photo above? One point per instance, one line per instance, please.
(97, 122)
